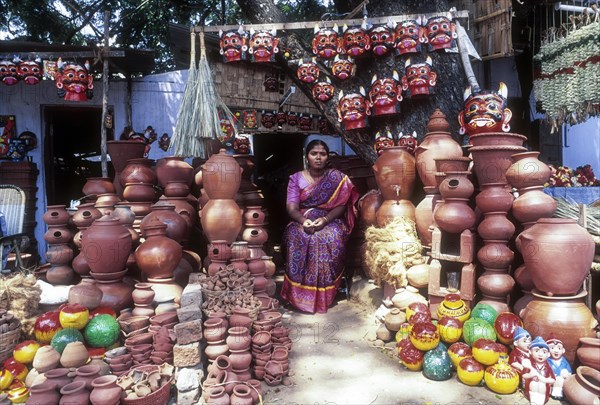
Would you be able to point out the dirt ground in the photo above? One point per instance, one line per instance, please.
(332, 362)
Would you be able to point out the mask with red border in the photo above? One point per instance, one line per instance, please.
(263, 46)
(485, 111)
(308, 71)
(410, 34)
(31, 71)
(9, 72)
(383, 142)
(410, 142)
(385, 95)
(323, 90)
(353, 110)
(305, 122)
(419, 79)
(382, 38)
(325, 42)
(241, 145)
(267, 119)
(233, 45)
(73, 81)
(250, 119)
(440, 33)
(343, 67)
(355, 41)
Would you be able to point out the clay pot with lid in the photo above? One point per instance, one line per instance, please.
(221, 176)
(552, 246)
(221, 220)
(56, 215)
(395, 173)
(138, 170)
(583, 387)
(158, 255)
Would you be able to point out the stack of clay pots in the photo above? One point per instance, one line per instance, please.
(121, 152)
(261, 353)
(83, 218)
(163, 341)
(132, 325)
(59, 253)
(238, 341)
(254, 230)
(127, 218)
(139, 181)
(215, 332)
(119, 360)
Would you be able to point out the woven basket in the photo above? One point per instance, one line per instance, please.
(8, 341)
(159, 397)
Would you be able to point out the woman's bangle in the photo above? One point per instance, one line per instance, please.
(326, 219)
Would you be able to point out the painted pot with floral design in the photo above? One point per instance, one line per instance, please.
(453, 306)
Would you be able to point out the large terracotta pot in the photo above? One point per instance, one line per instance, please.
(106, 245)
(140, 192)
(221, 176)
(158, 255)
(494, 197)
(176, 188)
(56, 215)
(454, 215)
(86, 293)
(490, 163)
(424, 215)
(527, 170)
(495, 225)
(567, 318)
(174, 168)
(452, 164)
(438, 143)
(497, 139)
(183, 208)
(495, 254)
(177, 226)
(391, 209)
(138, 171)
(221, 220)
(59, 254)
(533, 204)
(395, 173)
(588, 352)
(116, 294)
(368, 206)
(456, 185)
(583, 388)
(98, 185)
(120, 153)
(558, 254)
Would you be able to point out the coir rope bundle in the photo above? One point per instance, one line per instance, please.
(20, 295)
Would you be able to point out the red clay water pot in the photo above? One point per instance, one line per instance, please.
(177, 226)
(395, 173)
(583, 388)
(56, 215)
(221, 220)
(368, 206)
(98, 185)
(494, 197)
(172, 168)
(221, 176)
(159, 255)
(490, 162)
(138, 171)
(106, 245)
(527, 170)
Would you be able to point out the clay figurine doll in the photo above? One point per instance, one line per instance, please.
(538, 376)
(521, 342)
(560, 366)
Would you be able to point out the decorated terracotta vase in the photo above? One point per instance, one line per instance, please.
(158, 255)
(221, 176)
(106, 245)
(395, 173)
(558, 254)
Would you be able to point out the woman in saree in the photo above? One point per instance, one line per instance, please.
(320, 202)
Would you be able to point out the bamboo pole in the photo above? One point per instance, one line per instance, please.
(105, 72)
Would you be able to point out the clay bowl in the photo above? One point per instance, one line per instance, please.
(280, 354)
(280, 332)
(117, 275)
(121, 359)
(135, 332)
(144, 338)
(140, 348)
(163, 319)
(261, 338)
(134, 323)
(142, 363)
(141, 356)
(272, 381)
(120, 367)
(273, 317)
(258, 362)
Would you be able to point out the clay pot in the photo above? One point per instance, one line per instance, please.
(527, 170)
(418, 275)
(86, 293)
(139, 192)
(239, 250)
(116, 294)
(58, 234)
(143, 294)
(496, 226)
(105, 391)
(98, 185)
(165, 288)
(495, 254)
(491, 162)
(219, 250)
(394, 319)
(87, 374)
(257, 266)
(97, 361)
(138, 171)
(241, 395)
(60, 275)
(56, 215)
(59, 254)
(166, 305)
(255, 235)
(106, 245)
(254, 216)
(550, 247)
(438, 143)
(177, 226)
(583, 388)
(46, 359)
(217, 396)
(391, 209)
(454, 215)
(587, 352)
(74, 393)
(216, 349)
(497, 139)
(406, 296)
(368, 206)
(43, 394)
(86, 214)
(495, 285)
(214, 330)
(567, 318)
(74, 355)
(124, 214)
(176, 188)
(456, 185)
(174, 168)
(270, 266)
(424, 216)
(395, 173)
(158, 255)
(456, 164)
(221, 176)
(494, 197)
(221, 220)
(533, 204)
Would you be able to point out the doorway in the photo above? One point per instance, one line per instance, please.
(72, 150)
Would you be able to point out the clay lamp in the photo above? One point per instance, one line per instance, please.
(486, 351)
(24, 352)
(470, 371)
(74, 316)
(459, 351)
(46, 326)
(424, 336)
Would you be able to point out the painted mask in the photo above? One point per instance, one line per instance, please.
(164, 142)
(383, 141)
(353, 110)
(440, 33)
(419, 79)
(9, 72)
(267, 119)
(292, 119)
(355, 41)
(308, 72)
(485, 111)
(234, 45)
(305, 122)
(263, 46)
(227, 132)
(385, 95)
(31, 71)
(271, 83)
(241, 145)
(323, 91)
(17, 150)
(250, 119)
(325, 42)
(343, 68)
(325, 127)
(410, 34)
(74, 81)
(281, 118)
(382, 38)
(409, 141)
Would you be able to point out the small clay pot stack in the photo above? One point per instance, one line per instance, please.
(261, 353)
(162, 347)
(119, 360)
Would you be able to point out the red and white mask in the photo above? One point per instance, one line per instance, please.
(74, 80)
(325, 42)
(385, 95)
(31, 71)
(9, 72)
(343, 68)
(308, 72)
(419, 79)
(485, 111)
(440, 33)
(233, 44)
(353, 110)
(382, 38)
(323, 91)
(408, 141)
(263, 46)
(410, 34)
(383, 142)
(355, 41)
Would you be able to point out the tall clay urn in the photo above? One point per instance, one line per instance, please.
(437, 144)
(221, 176)
(558, 254)
(221, 220)
(106, 244)
(159, 255)
(395, 173)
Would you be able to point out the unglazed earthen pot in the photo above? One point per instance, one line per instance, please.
(395, 173)
(106, 245)
(221, 220)
(221, 176)
(173, 168)
(138, 171)
(159, 255)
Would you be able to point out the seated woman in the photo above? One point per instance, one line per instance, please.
(320, 202)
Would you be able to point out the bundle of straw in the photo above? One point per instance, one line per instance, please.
(20, 295)
(201, 111)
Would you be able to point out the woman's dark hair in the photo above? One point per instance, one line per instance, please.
(316, 142)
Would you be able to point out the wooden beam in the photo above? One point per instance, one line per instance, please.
(327, 24)
(105, 89)
(56, 55)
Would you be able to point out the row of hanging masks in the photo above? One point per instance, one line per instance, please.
(12, 71)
